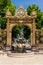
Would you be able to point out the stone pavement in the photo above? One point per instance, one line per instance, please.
(22, 59)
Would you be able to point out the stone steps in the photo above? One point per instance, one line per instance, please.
(18, 55)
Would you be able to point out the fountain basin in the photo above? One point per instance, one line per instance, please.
(21, 47)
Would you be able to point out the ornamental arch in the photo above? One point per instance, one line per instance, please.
(20, 18)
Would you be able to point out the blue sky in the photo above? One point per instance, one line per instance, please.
(26, 3)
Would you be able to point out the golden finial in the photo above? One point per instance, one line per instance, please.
(8, 13)
(21, 6)
(34, 13)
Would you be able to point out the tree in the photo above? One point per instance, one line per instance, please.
(27, 32)
(15, 31)
(39, 14)
(4, 5)
(3, 23)
(42, 20)
(12, 8)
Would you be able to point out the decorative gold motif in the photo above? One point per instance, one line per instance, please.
(21, 13)
(8, 13)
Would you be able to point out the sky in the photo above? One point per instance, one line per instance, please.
(26, 3)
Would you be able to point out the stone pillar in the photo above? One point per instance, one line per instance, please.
(33, 29)
(10, 38)
(31, 35)
(34, 16)
(0, 36)
(8, 14)
(31, 38)
(42, 31)
(37, 37)
(8, 34)
(41, 35)
(33, 32)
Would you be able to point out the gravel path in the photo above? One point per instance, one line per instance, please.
(22, 59)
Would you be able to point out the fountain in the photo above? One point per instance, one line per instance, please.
(20, 43)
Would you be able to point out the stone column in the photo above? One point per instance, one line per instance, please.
(8, 34)
(8, 14)
(0, 36)
(42, 35)
(31, 35)
(10, 38)
(34, 28)
(34, 16)
(31, 38)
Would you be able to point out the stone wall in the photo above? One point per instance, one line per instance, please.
(39, 36)
(3, 37)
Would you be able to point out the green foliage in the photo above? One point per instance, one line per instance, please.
(27, 32)
(30, 9)
(4, 6)
(4, 3)
(11, 8)
(16, 31)
(3, 23)
(42, 20)
(39, 15)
